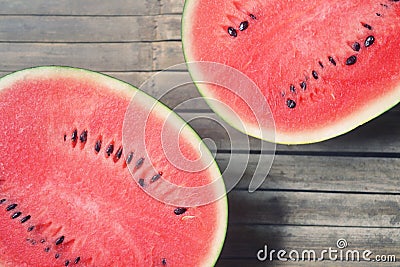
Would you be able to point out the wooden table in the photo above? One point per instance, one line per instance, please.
(346, 188)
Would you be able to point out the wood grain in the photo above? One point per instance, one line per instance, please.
(89, 29)
(75, 29)
(317, 174)
(76, 7)
(310, 208)
(172, 6)
(379, 137)
(99, 57)
(244, 241)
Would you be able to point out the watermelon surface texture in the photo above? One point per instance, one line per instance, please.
(72, 193)
(323, 67)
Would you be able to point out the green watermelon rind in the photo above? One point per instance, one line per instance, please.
(363, 116)
(130, 90)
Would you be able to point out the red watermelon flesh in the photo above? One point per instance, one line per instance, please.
(67, 197)
(324, 67)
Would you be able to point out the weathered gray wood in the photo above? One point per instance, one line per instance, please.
(309, 208)
(172, 6)
(378, 136)
(89, 28)
(76, 29)
(97, 56)
(320, 174)
(168, 27)
(167, 54)
(244, 241)
(76, 7)
(100, 57)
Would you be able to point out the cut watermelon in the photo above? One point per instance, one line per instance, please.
(324, 67)
(71, 194)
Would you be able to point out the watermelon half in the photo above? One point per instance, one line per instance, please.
(72, 193)
(323, 67)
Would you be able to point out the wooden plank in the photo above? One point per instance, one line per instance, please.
(319, 174)
(172, 6)
(100, 57)
(109, 57)
(377, 136)
(76, 29)
(310, 208)
(75, 7)
(167, 54)
(89, 28)
(244, 241)
(168, 27)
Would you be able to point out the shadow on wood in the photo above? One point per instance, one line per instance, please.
(239, 236)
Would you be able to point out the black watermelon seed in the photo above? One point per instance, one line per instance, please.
(315, 74)
(356, 46)
(47, 249)
(2, 201)
(369, 27)
(16, 215)
(118, 155)
(232, 32)
(378, 14)
(320, 63)
(384, 5)
(83, 136)
(65, 137)
(141, 182)
(139, 162)
(77, 260)
(303, 85)
(291, 103)
(25, 219)
(180, 211)
(66, 263)
(30, 228)
(252, 16)
(129, 158)
(97, 146)
(74, 135)
(244, 25)
(155, 177)
(11, 207)
(351, 60)
(60, 240)
(110, 149)
(369, 41)
(42, 241)
(292, 88)
(332, 61)
(57, 256)
(164, 261)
